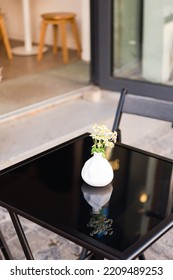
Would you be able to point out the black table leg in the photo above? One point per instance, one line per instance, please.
(142, 257)
(86, 254)
(4, 248)
(21, 235)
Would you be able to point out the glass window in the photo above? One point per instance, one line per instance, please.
(143, 40)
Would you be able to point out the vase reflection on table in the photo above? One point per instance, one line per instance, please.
(98, 199)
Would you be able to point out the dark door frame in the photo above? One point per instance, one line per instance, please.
(101, 56)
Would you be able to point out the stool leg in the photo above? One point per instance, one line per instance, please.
(76, 36)
(41, 42)
(64, 43)
(5, 39)
(55, 39)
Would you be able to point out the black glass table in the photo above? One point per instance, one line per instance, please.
(136, 209)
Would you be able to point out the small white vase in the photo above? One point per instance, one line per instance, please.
(97, 171)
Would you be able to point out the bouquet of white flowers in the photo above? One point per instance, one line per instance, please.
(102, 138)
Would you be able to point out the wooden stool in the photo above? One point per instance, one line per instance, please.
(61, 20)
(5, 37)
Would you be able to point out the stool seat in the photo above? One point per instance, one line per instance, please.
(3, 32)
(59, 16)
(59, 19)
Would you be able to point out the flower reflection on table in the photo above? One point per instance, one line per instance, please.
(98, 199)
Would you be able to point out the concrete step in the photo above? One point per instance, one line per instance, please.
(36, 129)
(42, 126)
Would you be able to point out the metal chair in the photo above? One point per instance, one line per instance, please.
(141, 106)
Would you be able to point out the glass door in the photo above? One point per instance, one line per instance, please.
(132, 46)
(143, 40)
(127, 41)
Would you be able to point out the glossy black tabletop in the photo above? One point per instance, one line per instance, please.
(48, 189)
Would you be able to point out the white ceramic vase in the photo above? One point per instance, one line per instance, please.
(97, 171)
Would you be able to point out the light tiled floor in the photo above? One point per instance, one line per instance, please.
(26, 81)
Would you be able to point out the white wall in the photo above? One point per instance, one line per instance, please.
(85, 30)
(14, 20)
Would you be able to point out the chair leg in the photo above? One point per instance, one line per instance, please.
(55, 39)
(4, 248)
(83, 254)
(5, 39)
(76, 36)
(41, 42)
(64, 41)
(86, 255)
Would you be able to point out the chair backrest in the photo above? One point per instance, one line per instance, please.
(142, 106)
